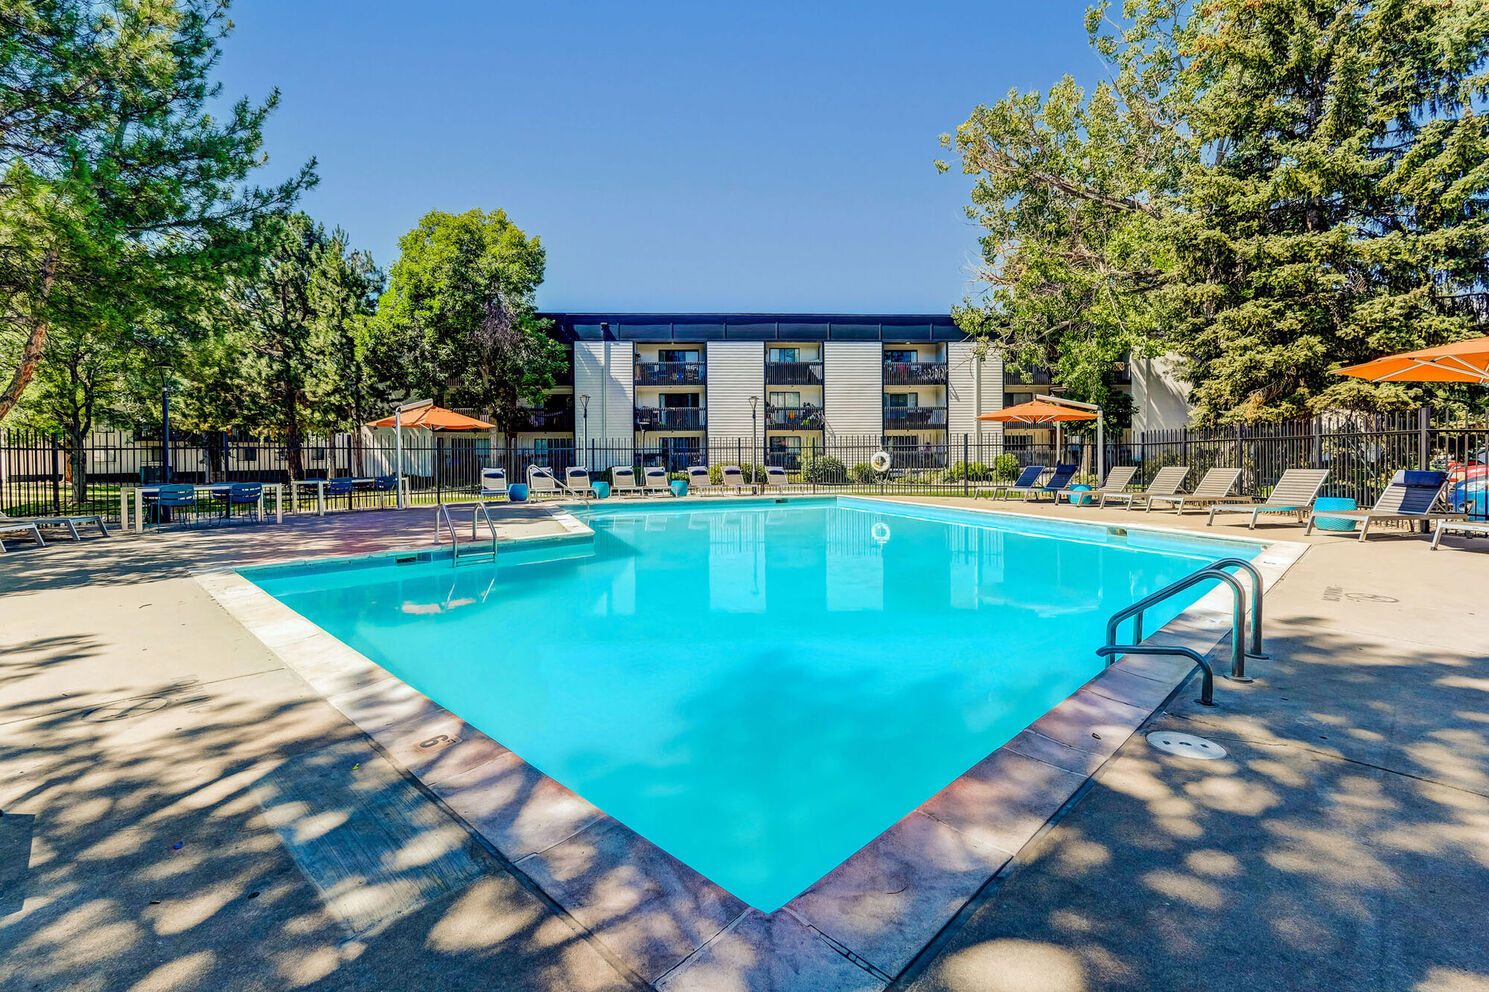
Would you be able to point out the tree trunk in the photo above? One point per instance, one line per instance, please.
(78, 455)
(292, 440)
(36, 339)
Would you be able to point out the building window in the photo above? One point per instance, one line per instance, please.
(684, 400)
(900, 354)
(785, 354)
(901, 399)
(677, 355)
(784, 399)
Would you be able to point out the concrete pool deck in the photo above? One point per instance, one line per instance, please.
(1345, 835)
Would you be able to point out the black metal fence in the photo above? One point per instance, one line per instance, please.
(43, 474)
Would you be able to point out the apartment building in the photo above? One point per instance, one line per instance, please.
(693, 387)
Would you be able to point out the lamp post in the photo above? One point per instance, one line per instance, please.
(165, 432)
(584, 403)
(754, 482)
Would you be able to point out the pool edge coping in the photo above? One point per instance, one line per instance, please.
(1083, 731)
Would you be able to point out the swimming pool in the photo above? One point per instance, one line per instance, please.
(758, 688)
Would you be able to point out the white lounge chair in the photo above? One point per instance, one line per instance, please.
(1458, 527)
(494, 483)
(623, 481)
(1168, 481)
(541, 483)
(699, 481)
(1116, 482)
(777, 479)
(13, 527)
(1294, 493)
(68, 523)
(577, 483)
(657, 481)
(1214, 488)
(1411, 496)
(732, 477)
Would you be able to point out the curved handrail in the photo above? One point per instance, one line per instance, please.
(1255, 651)
(1238, 616)
(443, 513)
(1207, 680)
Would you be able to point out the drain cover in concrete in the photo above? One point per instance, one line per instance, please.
(1185, 745)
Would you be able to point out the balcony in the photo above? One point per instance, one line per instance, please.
(550, 420)
(671, 418)
(793, 418)
(793, 373)
(914, 417)
(1015, 377)
(670, 373)
(914, 373)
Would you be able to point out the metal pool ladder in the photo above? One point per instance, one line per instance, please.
(477, 514)
(1240, 650)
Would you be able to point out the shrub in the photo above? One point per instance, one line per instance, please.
(823, 470)
(1006, 468)
(863, 473)
(975, 471)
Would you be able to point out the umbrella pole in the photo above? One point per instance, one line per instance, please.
(398, 456)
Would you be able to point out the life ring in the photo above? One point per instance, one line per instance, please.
(880, 461)
(880, 533)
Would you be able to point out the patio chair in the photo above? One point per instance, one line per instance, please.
(245, 494)
(1116, 482)
(1411, 496)
(174, 496)
(1294, 493)
(699, 481)
(68, 523)
(1168, 481)
(732, 477)
(1056, 484)
(13, 527)
(383, 485)
(339, 487)
(777, 479)
(541, 483)
(576, 482)
(656, 480)
(623, 481)
(1214, 488)
(494, 483)
(1028, 479)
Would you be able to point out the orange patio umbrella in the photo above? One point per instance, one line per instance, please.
(1462, 361)
(1040, 411)
(433, 418)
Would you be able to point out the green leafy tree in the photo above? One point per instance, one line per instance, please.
(115, 179)
(458, 321)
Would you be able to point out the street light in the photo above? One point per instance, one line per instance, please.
(584, 402)
(754, 482)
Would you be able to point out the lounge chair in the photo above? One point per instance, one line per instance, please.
(541, 483)
(1411, 496)
(576, 482)
(1028, 480)
(1214, 488)
(494, 483)
(69, 523)
(777, 479)
(1116, 482)
(1055, 485)
(623, 481)
(732, 477)
(699, 482)
(1458, 527)
(1294, 493)
(656, 479)
(1167, 482)
(13, 527)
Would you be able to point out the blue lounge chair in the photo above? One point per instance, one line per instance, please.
(1057, 484)
(1024, 483)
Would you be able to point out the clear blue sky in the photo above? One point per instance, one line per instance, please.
(673, 156)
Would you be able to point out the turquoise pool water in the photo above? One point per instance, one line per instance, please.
(759, 689)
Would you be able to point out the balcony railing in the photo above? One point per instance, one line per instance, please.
(671, 418)
(910, 417)
(1034, 377)
(670, 373)
(793, 373)
(914, 373)
(793, 418)
(550, 420)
